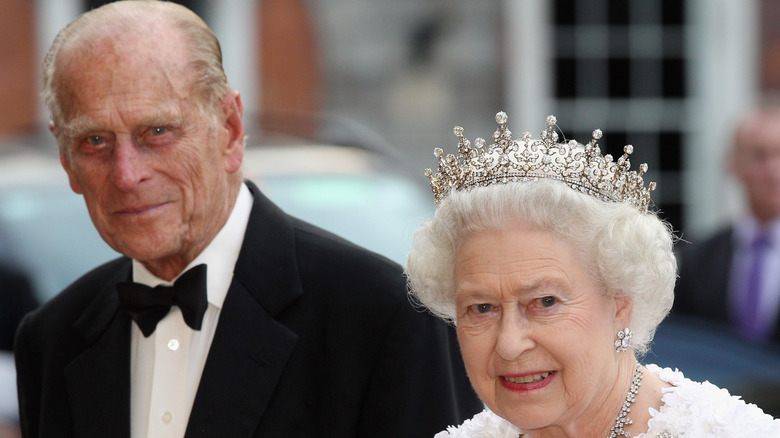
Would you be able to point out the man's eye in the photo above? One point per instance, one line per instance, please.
(158, 130)
(96, 140)
(548, 301)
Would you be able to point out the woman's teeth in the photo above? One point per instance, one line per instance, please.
(529, 378)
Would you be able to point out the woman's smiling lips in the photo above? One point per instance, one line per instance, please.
(527, 381)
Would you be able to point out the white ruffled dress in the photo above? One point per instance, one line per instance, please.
(690, 410)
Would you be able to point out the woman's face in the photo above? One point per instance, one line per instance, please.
(536, 333)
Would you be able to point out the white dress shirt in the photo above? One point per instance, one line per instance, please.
(166, 367)
(769, 295)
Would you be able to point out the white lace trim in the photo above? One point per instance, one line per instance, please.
(485, 424)
(698, 410)
(690, 410)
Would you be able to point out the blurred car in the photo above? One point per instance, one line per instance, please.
(360, 195)
(44, 227)
(360, 190)
(704, 350)
(364, 194)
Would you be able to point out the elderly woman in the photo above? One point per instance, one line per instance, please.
(545, 256)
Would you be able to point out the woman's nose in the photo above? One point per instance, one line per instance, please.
(514, 336)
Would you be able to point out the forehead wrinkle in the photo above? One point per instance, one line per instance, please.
(524, 262)
(556, 282)
(122, 55)
(474, 283)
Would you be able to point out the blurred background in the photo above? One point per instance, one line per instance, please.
(666, 75)
(376, 85)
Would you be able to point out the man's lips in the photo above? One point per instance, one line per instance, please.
(139, 209)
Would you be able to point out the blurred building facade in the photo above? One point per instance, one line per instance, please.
(668, 76)
(18, 78)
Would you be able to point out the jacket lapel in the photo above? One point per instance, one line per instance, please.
(250, 348)
(98, 380)
(246, 359)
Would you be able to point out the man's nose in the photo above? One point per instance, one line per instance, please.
(129, 165)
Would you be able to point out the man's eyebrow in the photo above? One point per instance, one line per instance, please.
(77, 126)
(162, 119)
(82, 124)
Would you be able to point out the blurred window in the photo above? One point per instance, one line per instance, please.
(621, 65)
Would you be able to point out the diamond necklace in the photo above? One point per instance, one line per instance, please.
(622, 418)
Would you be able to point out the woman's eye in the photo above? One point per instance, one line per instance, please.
(482, 308)
(548, 301)
(159, 130)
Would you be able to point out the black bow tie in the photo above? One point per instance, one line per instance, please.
(148, 305)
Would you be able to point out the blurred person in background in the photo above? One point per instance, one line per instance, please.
(17, 298)
(733, 276)
(556, 275)
(226, 317)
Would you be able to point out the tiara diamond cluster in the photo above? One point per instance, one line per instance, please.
(581, 167)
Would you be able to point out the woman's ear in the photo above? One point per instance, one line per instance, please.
(624, 307)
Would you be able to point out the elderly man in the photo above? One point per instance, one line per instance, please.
(226, 318)
(733, 277)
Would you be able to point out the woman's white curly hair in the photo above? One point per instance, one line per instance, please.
(627, 251)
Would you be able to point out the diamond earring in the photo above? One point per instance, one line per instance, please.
(623, 341)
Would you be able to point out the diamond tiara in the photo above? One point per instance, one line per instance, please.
(581, 167)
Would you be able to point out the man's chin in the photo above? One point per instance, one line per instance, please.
(144, 248)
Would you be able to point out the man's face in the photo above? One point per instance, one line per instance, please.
(756, 162)
(153, 168)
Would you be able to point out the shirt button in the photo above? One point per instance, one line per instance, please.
(173, 344)
(167, 417)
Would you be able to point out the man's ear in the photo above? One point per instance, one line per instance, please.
(74, 184)
(233, 111)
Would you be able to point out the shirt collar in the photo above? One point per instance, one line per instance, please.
(746, 230)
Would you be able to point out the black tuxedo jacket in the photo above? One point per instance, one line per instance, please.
(702, 289)
(316, 339)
